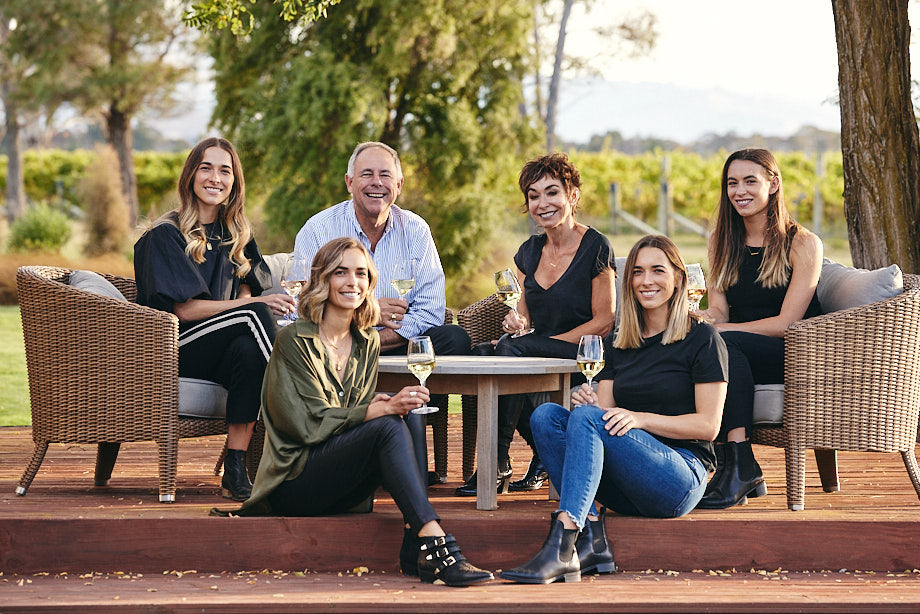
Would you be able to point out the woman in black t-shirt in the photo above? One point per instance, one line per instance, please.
(764, 269)
(201, 263)
(642, 445)
(567, 275)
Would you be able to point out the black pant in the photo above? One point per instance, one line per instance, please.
(232, 349)
(514, 410)
(448, 340)
(346, 469)
(752, 359)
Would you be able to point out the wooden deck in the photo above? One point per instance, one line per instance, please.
(855, 550)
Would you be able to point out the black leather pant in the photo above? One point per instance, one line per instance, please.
(752, 359)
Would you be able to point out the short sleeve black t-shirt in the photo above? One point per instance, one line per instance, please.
(567, 303)
(660, 379)
(166, 275)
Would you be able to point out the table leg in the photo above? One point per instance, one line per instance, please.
(486, 443)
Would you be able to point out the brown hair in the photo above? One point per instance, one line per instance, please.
(555, 165)
(632, 319)
(314, 295)
(728, 242)
(230, 214)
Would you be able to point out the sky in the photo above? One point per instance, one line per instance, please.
(765, 67)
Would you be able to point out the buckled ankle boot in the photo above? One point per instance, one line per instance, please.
(594, 552)
(439, 558)
(408, 553)
(235, 484)
(533, 479)
(556, 559)
(501, 482)
(741, 478)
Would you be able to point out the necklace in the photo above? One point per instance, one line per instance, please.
(207, 233)
(338, 361)
(754, 251)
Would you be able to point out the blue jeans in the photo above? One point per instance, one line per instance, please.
(634, 474)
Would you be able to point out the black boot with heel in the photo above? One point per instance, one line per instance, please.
(235, 483)
(594, 552)
(740, 477)
(440, 559)
(501, 482)
(533, 479)
(556, 560)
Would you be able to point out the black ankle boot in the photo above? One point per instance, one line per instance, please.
(469, 487)
(741, 478)
(533, 479)
(594, 552)
(717, 477)
(408, 553)
(235, 484)
(556, 560)
(439, 558)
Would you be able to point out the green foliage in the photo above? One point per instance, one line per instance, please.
(53, 174)
(41, 228)
(440, 81)
(234, 15)
(14, 387)
(107, 212)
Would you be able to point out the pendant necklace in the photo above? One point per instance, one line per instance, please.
(219, 236)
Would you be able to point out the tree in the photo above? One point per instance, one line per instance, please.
(441, 81)
(635, 35)
(209, 15)
(879, 136)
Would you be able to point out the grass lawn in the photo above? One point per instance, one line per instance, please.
(14, 386)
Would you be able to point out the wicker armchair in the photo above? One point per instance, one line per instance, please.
(852, 383)
(102, 371)
(483, 321)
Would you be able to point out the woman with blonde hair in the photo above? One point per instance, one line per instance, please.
(330, 441)
(641, 445)
(764, 269)
(201, 263)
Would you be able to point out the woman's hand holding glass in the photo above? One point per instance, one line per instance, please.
(420, 359)
(292, 283)
(509, 292)
(585, 395)
(696, 286)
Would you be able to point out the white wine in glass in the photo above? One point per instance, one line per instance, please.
(590, 357)
(420, 359)
(696, 285)
(403, 277)
(292, 283)
(509, 292)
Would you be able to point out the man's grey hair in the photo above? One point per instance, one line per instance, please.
(367, 145)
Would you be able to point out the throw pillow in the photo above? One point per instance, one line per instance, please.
(842, 287)
(279, 264)
(95, 283)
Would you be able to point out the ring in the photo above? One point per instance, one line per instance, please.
(412, 393)
(393, 317)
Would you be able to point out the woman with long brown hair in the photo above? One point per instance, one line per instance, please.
(201, 263)
(764, 269)
(330, 440)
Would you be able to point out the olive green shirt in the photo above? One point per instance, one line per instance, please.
(303, 403)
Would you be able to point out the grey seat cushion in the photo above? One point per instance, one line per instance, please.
(200, 398)
(768, 404)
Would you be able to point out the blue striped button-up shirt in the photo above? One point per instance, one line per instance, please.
(406, 236)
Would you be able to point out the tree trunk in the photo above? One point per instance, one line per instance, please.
(552, 99)
(121, 138)
(879, 137)
(12, 145)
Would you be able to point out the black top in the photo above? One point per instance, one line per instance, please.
(166, 275)
(660, 379)
(567, 303)
(748, 300)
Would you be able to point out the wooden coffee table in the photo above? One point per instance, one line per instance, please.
(487, 377)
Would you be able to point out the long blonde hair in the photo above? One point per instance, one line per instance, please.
(230, 215)
(728, 247)
(313, 297)
(632, 319)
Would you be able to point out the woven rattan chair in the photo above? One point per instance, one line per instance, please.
(101, 371)
(483, 321)
(852, 383)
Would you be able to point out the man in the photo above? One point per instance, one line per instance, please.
(374, 179)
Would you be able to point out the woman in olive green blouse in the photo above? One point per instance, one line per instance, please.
(330, 440)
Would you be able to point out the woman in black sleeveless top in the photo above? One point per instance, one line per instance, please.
(764, 269)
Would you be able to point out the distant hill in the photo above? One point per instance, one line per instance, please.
(807, 139)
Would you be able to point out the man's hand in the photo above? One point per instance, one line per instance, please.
(392, 312)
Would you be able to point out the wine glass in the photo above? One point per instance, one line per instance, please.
(403, 277)
(509, 292)
(590, 357)
(420, 359)
(696, 285)
(292, 283)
